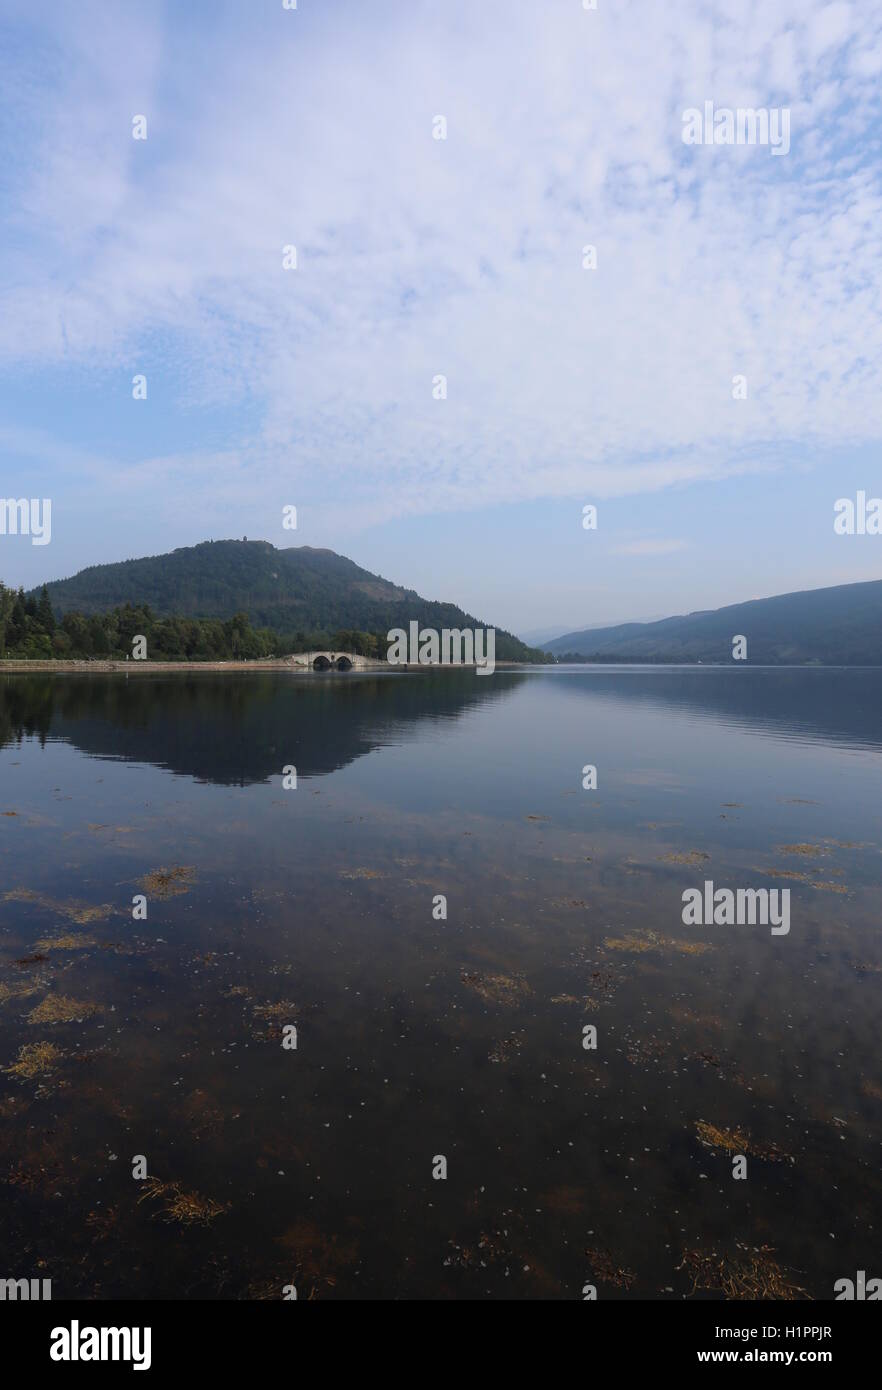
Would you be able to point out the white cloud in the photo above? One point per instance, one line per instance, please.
(463, 257)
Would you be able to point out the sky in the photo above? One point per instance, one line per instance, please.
(417, 258)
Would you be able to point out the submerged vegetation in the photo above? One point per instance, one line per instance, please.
(35, 1059)
(747, 1273)
(176, 1204)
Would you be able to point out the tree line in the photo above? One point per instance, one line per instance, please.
(30, 630)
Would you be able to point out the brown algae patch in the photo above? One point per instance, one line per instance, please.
(799, 876)
(809, 851)
(506, 1048)
(607, 1271)
(18, 989)
(169, 883)
(186, 1208)
(35, 1059)
(275, 1018)
(689, 856)
(65, 943)
(633, 944)
(315, 1259)
(604, 984)
(277, 1013)
(750, 1273)
(496, 989)
(61, 1008)
(737, 1142)
(80, 913)
(637, 944)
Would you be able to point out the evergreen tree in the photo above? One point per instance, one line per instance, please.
(45, 616)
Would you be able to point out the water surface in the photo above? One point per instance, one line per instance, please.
(419, 1037)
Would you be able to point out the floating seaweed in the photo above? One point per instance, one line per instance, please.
(506, 1048)
(35, 1059)
(607, 1271)
(178, 1205)
(496, 989)
(650, 941)
(81, 913)
(70, 942)
(169, 883)
(736, 1141)
(61, 1008)
(18, 989)
(750, 1273)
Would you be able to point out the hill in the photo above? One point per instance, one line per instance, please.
(298, 592)
(840, 626)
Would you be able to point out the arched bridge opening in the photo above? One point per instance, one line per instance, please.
(332, 661)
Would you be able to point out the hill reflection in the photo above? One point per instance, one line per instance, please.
(236, 729)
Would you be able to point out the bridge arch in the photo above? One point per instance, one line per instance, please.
(321, 663)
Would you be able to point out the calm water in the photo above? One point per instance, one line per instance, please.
(419, 1037)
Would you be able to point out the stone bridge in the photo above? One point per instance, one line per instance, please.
(333, 661)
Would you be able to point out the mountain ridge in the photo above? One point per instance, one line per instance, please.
(837, 625)
(296, 590)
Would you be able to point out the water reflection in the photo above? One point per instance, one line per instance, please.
(235, 730)
(824, 704)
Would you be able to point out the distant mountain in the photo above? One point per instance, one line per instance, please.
(540, 636)
(295, 590)
(840, 626)
(544, 636)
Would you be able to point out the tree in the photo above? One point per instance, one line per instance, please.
(7, 599)
(45, 616)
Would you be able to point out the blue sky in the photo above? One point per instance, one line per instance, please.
(461, 257)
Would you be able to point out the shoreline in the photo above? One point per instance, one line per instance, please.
(110, 666)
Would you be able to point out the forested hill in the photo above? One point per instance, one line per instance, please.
(296, 591)
(840, 626)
